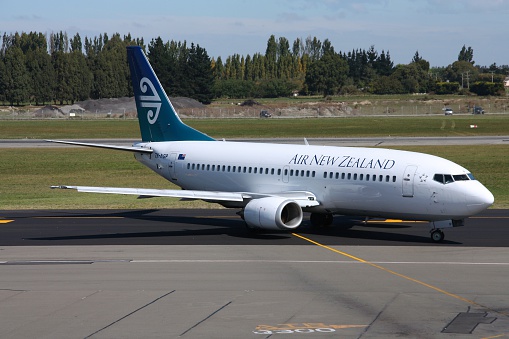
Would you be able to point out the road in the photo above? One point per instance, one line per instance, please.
(368, 142)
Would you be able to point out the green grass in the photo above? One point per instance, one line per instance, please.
(269, 128)
(27, 174)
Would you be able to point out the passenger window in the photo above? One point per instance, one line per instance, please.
(279, 171)
(394, 179)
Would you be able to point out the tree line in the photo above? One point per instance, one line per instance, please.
(36, 68)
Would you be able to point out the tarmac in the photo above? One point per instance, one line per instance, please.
(196, 274)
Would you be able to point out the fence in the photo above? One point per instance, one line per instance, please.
(298, 111)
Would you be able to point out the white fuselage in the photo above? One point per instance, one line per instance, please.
(345, 180)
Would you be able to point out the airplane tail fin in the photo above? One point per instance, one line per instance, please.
(157, 116)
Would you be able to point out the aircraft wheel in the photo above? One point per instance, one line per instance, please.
(437, 236)
(329, 218)
(321, 219)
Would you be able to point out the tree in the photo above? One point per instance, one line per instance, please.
(327, 75)
(271, 58)
(201, 75)
(387, 85)
(112, 72)
(487, 88)
(16, 77)
(42, 75)
(384, 64)
(162, 62)
(76, 44)
(462, 72)
(466, 54)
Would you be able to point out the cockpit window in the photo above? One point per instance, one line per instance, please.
(447, 178)
(439, 178)
(461, 177)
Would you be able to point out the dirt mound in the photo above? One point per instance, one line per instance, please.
(48, 111)
(127, 105)
(124, 104)
(183, 102)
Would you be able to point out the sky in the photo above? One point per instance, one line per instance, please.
(437, 29)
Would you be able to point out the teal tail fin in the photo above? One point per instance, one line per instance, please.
(157, 117)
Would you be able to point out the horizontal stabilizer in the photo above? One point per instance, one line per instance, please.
(106, 146)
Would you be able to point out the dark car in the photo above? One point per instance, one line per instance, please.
(478, 110)
(265, 114)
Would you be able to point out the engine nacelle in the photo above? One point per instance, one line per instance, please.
(273, 213)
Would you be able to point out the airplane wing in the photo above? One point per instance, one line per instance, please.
(119, 148)
(304, 199)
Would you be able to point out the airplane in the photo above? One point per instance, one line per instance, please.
(274, 184)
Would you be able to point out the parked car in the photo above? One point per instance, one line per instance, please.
(478, 110)
(265, 114)
(448, 111)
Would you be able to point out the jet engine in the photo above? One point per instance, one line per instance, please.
(273, 213)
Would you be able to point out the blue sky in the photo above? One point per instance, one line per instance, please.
(436, 28)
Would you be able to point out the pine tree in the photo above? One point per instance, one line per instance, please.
(17, 79)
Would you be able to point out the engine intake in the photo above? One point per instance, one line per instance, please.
(273, 213)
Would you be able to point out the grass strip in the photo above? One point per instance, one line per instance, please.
(438, 126)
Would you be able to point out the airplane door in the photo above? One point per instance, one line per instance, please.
(408, 181)
(286, 175)
(172, 166)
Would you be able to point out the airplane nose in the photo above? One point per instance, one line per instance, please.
(480, 200)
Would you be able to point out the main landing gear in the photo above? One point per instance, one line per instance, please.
(321, 219)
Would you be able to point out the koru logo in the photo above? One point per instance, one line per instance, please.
(150, 101)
